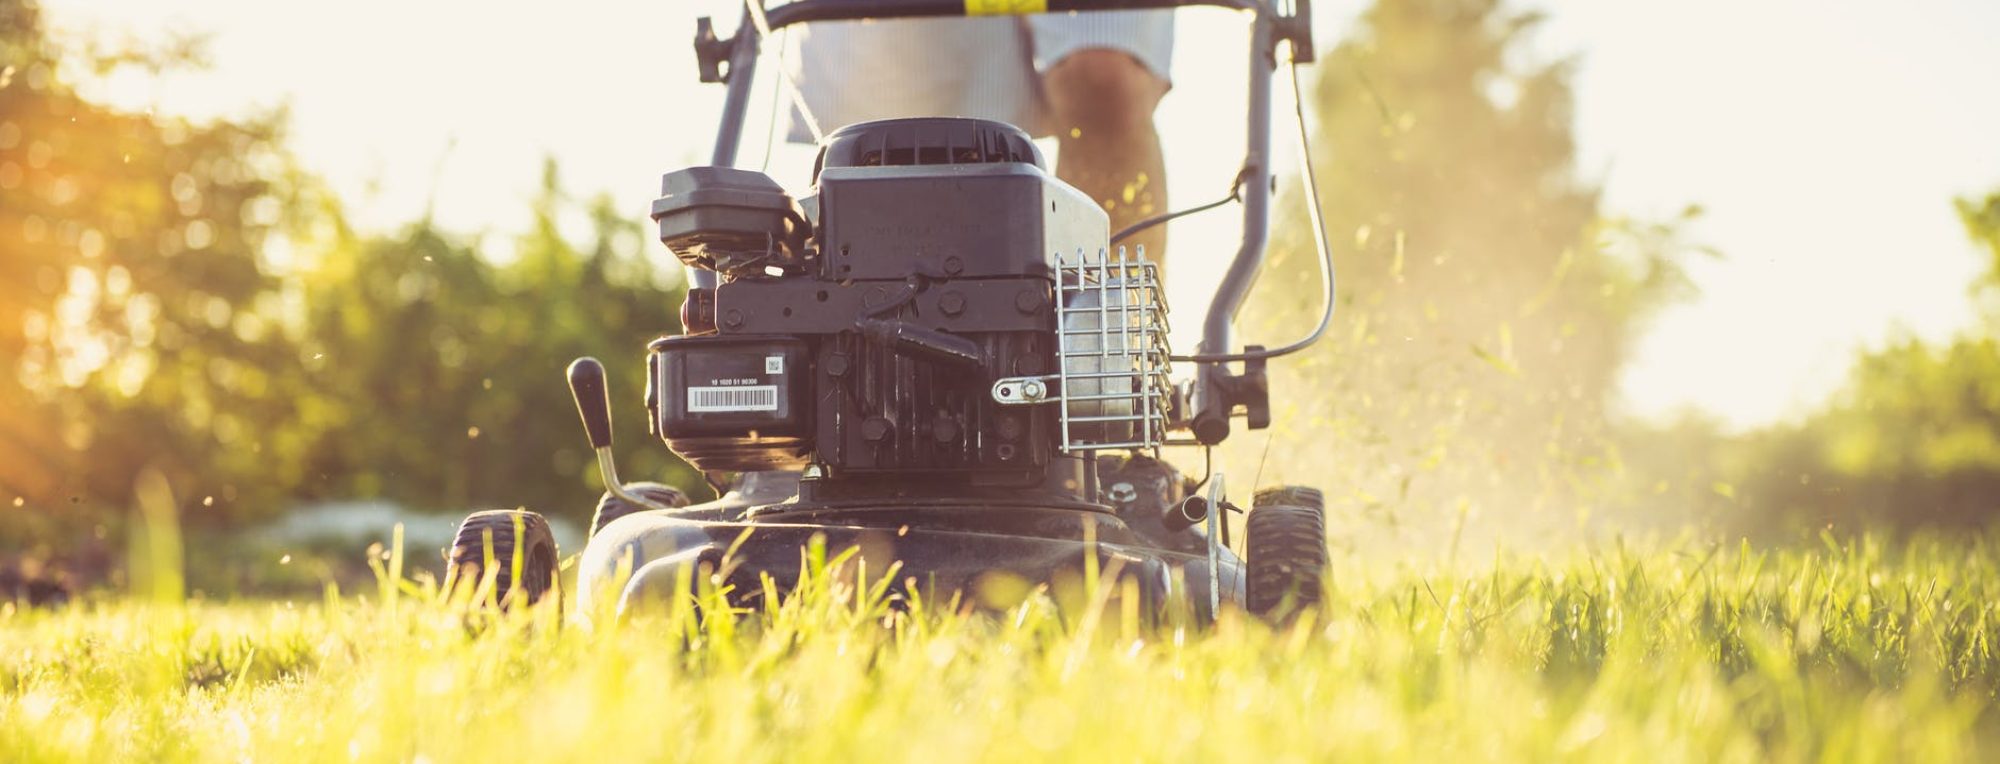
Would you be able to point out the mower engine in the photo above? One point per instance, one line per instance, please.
(941, 308)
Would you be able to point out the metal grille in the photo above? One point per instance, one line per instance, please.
(1112, 369)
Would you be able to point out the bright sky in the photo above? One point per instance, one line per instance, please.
(1826, 139)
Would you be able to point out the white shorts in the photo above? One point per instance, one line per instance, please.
(985, 67)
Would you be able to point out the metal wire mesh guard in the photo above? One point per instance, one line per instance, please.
(1111, 354)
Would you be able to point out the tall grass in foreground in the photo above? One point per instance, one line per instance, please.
(1859, 651)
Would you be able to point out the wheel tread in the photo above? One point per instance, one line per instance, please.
(1285, 547)
(467, 555)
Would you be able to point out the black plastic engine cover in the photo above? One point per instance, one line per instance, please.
(933, 274)
(725, 219)
(951, 221)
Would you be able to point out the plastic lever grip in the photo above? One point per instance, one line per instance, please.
(586, 384)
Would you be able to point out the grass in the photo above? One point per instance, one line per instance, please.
(1852, 651)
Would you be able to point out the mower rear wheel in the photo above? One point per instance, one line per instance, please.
(504, 532)
(1285, 551)
(610, 507)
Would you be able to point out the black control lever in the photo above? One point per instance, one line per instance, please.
(929, 344)
(593, 403)
(586, 385)
(1247, 394)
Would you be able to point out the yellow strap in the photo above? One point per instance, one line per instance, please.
(1005, 7)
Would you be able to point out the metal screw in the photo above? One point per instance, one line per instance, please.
(1028, 300)
(875, 429)
(1033, 390)
(952, 303)
(836, 365)
(944, 430)
(733, 319)
(953, 265)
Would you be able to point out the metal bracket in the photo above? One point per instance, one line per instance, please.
(1248, 393)
(1296, 28)
(1022, 391)
(710, 51)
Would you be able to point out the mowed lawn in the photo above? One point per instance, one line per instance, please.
(1862, 651)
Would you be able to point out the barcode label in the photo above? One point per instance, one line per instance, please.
(759, 398)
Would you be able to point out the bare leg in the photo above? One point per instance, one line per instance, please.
(1102, 102)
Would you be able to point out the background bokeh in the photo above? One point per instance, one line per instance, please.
(189, 299)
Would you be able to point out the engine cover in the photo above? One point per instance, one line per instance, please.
(955, 221)
(934, 273)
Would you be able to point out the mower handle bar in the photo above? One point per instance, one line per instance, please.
(804, 11)
(1270, 25)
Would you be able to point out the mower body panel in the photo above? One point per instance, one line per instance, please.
(985, 557)
(959, 221)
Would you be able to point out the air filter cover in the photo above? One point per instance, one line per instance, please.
(927, 141)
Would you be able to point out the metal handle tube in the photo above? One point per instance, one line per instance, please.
(742, 74)
(804, 11)
(1218, 334)
(1218, 326)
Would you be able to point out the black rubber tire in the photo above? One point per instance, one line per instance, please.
(510, 530)
(1290, 496)
(610, 507)
(1285, 551)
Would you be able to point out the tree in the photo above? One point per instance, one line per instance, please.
(1486, 305)
(441, 372)
(147, 321)
(129, 278)
(1912, 440)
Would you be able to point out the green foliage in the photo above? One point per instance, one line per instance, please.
(1911, 441)
(180, 298)
(1914, 439)
(452, 365)
(1486, 305)
(128, 259)
(1857, 651)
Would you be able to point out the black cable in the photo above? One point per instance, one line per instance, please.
(1235, 195)
(1207, 467)
(1326, 278)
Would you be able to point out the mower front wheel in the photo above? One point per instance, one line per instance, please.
(510, 540)
(1285, 551)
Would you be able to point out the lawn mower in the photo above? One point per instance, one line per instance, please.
(939, 357)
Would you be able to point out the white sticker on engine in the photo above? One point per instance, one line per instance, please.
(714, 399)
(774, 364)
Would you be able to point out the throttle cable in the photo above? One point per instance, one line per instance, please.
(1326, 275)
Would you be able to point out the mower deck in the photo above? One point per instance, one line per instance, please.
(986, 554)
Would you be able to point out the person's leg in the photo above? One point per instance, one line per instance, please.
(1101, 105)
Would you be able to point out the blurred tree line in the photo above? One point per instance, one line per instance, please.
(1486, 302)
(1911, 441)
(1487, 305)
(182, 298)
